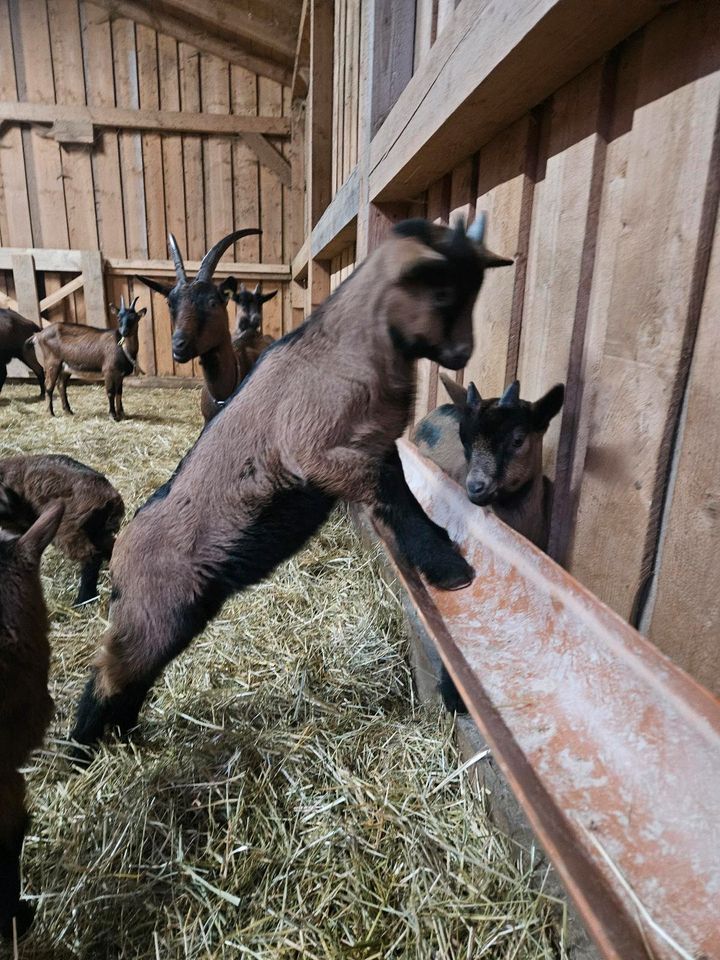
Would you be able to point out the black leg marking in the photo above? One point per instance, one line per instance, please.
(454, 703)
(88, 581)
(424, 544)
(11, 906)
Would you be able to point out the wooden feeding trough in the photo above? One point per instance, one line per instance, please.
(613, 752)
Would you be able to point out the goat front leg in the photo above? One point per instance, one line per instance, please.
(13, 824)
(119, 410)
(111, 391)
(422, 542)
(88, 580)
(52, 372)
(3, 375)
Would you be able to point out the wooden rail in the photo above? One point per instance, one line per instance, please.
(613, 752)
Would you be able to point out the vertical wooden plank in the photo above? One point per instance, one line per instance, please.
(463, 188)
(350, 132)
(18, 230)
(438, 209)
(33, 67)
(670, 175)
(25, 286)
(684, 621)
(130, 143)
(338, 93)
(320, 108)
(423, 31)
(396, 35)
(215, 87)
(506, 167)
(246, 173)
(94, 288)
(445, 12)
(98, 55)
(564, 212)
(271, 205)
(147, 62)
(76, 164)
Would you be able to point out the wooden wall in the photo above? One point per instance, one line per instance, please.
(124, 193)
(346, 90)
(606, 194)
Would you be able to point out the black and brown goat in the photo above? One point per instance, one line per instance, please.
(248, 340)
(198, 311)
(316, 421)
(25, 703)
(15, 332)
(93, 509)
(91, 354)
(494, 448)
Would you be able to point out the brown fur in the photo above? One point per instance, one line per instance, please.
(93, 508)
(521, 496)
(90, 353)
(316, 420)
(248, 339)
(15, 331)
(25, 703)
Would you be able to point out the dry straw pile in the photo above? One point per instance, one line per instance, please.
(285, 796)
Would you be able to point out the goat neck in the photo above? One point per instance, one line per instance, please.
(220, 370)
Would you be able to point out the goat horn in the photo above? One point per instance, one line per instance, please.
(122, 302)
(212, 257)
(132, 305)
(177, 258)
(511, 396)
(256, 291)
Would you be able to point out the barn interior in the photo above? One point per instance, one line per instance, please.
(296, 791)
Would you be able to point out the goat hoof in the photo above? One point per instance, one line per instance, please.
(451, 698)
(454, 573)
(23, 917)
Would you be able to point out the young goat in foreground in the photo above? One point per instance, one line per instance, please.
(315, 422)
(93, 509)
(91, 353)
(494, 449)
(25, 704)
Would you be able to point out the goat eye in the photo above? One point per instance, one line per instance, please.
(518, 440)
(443, 296)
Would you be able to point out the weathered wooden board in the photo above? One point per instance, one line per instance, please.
(670, 167)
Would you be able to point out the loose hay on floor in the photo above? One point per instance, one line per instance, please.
(285, 796)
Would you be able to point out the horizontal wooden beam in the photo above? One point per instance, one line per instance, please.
(336, 227)
(597, 733)
(63, 261)
(168, 121)
(163, 268)
(173, 27)
(484, 72)
(300, 261)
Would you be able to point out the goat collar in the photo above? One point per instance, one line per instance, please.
(221, 403)
(133, 360)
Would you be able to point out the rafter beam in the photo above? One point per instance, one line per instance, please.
(170, 121)
(269, 157)
(173, 27)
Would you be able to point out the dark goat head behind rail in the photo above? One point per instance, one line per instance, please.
(249, 305)
(198, 307)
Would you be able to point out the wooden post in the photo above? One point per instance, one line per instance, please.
(94, 288)
(394, 33)
(318, 284)
(26, 294)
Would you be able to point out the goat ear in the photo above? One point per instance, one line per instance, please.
(141, 313)
(268, 296)
(228, 288)
(474, 399)
(547, 407)
(34, 542)
(456, 392)
(429, 267)
(157, 285)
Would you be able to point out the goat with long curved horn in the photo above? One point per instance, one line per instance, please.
(177, 258)
(212, 257)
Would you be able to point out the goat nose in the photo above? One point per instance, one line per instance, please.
(480, 489)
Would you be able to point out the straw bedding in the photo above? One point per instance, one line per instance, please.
(285, 796)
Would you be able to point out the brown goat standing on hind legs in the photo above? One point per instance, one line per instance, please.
(91, 353)
(25, 704)
(316, 421)
(198, 311)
